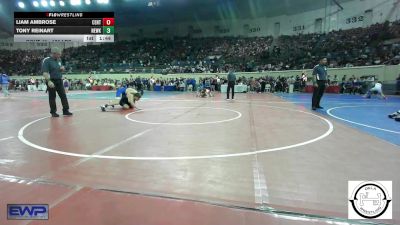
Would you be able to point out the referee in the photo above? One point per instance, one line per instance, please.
(320, 76)
(52, 68)
(231, 83)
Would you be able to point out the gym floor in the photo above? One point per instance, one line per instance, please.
(261, 159)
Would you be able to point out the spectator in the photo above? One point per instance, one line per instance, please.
(4, 81)
(66, 84)
(345, 48)
(398, 84)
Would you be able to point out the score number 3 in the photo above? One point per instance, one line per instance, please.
(108, 25)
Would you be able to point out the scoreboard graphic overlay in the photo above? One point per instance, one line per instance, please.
(64, 26)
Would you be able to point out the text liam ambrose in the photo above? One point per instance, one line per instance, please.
(38, 22)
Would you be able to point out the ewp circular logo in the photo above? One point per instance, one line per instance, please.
(370, 199)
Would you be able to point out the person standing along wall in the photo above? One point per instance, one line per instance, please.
(66, 85)
(4, 81)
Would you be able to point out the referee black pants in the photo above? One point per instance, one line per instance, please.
(58, 88)
(231, 86)
(318, 92)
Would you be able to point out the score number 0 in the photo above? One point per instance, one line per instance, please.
(108, 21)
(108, 25)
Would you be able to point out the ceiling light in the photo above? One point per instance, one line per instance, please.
(21, 5)
(75, 2)
(44, 3)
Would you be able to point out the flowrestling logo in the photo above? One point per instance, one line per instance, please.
(27, 211)
(370, 199)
